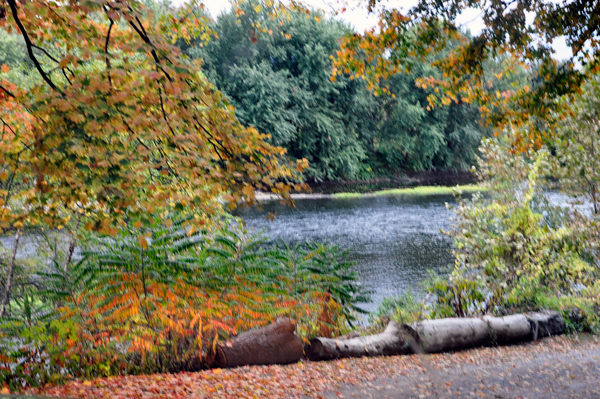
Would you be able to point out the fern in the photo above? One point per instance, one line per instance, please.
(159, 298)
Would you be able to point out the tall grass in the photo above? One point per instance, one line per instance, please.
(415, 191)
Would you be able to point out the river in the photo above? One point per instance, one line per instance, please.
(393, 239)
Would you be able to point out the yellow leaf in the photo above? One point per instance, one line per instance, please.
(143, 242)
(257, 8)
(248, 191)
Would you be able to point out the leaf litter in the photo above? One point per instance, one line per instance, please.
(307, 379)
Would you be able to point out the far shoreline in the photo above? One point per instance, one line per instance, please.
(406, 191)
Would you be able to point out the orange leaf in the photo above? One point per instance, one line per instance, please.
(143, 242)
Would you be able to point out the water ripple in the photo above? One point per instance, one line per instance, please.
(393, 239)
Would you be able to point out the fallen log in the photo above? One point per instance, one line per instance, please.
(459, 333)
(273, 344)
(545, 324)
(395, 340)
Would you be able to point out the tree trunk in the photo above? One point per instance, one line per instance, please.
(459, 333)
(273, 344)
(71, 248)
(395, 340)
(10, 274)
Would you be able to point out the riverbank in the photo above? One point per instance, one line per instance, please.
(408, 191)
(421, 190)
(557, 367)
(399, 181)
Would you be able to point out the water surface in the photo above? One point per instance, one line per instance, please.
(393, 239)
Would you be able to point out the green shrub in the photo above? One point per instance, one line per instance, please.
(404, 309)
(159, 298)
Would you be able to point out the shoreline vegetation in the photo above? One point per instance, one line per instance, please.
(407, 191)
(420, 190)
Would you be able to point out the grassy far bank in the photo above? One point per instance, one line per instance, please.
(408, 191)
(424, 190)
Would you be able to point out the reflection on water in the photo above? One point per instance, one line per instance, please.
(393, 239)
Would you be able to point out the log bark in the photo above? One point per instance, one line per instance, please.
(545, 324)
(459, 333)
(395, 340)
(273, 344)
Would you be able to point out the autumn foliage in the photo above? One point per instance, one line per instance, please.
(113, 130)
(119, 123)
(163, 307)
(424, 31)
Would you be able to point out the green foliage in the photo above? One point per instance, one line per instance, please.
(278, 80)
(513, 253)
(577, 144)
(12, 49)
(52, 353)
(317, 270)
(412, 135)
(405, 309)
(277, 73)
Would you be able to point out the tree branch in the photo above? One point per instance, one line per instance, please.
(13, 8)
(4, 89)
(106, 50)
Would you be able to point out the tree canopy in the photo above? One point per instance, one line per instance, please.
(116, 124)
(277, 73)
(427, 27)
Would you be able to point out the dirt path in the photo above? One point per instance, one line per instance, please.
(531, 374)
(560, 367)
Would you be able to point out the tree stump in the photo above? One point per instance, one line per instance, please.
(395, 340)
(273, 344)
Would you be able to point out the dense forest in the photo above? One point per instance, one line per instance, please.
(280, 82)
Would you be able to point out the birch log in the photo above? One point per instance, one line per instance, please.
(459, 333)
(395, 340)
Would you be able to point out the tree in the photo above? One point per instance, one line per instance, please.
(276, 72)
(387, 50)
(119, 126)
(415, 136)
(577, 163)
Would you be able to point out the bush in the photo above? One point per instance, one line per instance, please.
(159, 299)
(515, 253)
(404, 309)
